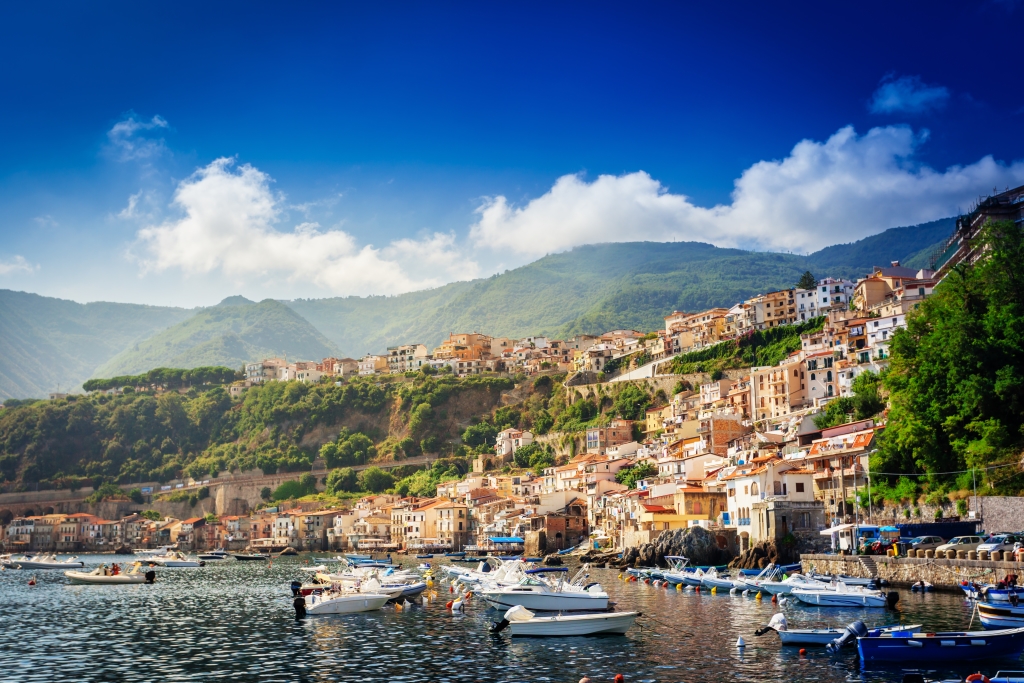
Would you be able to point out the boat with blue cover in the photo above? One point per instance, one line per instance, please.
(460, 554)
(946, 646)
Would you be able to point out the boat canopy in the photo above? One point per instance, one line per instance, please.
(837, 529)
(546, 570)
(506, 539)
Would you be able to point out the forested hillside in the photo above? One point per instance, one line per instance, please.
(231, 333)
(46, 343)
(956, 381)
(600, 287)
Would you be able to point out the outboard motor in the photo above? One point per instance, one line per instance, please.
(296, 588)
(873, 584)
(1014, 600)
(855, 630)
(299, 603)
(150, 576)
(891, 598)
(498, 626)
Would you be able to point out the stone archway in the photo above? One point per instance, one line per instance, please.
(5, 517)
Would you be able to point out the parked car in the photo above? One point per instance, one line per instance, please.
(965, 543)
(925, 543)
(1001, 542)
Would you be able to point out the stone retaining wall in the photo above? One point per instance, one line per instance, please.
(904, 571)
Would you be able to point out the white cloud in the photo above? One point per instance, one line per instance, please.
(130, 211)
(229, 224)
(17, 264)
(840, 190)
(46, 221)
(907, 94)
(129, 138)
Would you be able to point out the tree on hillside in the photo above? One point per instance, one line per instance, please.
(341, 480)
(632, 403)
(807, 281)
(629, 476)
(375, 480)
(956, 375)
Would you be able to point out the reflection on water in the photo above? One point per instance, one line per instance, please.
(234, 621)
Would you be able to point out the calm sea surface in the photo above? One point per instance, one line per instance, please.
(234, 621)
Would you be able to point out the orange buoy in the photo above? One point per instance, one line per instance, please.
(802, 652)
(448, 605)
(451, 589)
(775, 599)
(31, 582)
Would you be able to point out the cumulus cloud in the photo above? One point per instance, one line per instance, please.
(840, 190)
(230, 221)
(17, 264)
(908, 95)
(132, 139)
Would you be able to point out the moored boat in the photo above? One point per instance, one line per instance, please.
(1001, 615)
(522, 622)
(175, 559)
(949, 646)
(250, 557)
(845, 596)
(215, 555)
(329, 602)
(814, 636)
(537, 595)
(45, 562)
(104, 575)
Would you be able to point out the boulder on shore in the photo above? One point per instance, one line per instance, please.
(764, 553)
(697, 544)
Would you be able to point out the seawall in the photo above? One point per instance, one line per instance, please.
(903, 571)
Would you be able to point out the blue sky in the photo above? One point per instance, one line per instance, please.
(334, 149)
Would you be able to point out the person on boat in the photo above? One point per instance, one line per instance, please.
(115, 570)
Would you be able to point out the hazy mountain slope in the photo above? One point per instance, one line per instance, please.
(47, 342)
(228, 334)
(598, 287)
(895, 244)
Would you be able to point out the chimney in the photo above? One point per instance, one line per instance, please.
(895, 264)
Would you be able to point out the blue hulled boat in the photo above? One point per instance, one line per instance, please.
(952, 646)
(1001, 615)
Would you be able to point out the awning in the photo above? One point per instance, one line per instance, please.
(506, 539)
(836, 529)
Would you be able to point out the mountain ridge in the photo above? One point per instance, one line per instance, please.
(593, 288)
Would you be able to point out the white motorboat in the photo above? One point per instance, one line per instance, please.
(755, 583)
(215, 555)
(537, 595)
(162, 550)
(45, 562)
(845, 596)
(712, 579)
(815, 636)
(174, 559)
(341, 602)
(523, 622)
(104, 575)
(786, 586)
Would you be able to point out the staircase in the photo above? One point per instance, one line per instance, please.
(868, 562)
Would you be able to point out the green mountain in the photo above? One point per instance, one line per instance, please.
(231, 333)
(600, 287)
(48, 343)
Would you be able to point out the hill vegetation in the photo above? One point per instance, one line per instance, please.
(230, 334)
(763, 347)
(600, 287)
(956, 380)
(48, 342)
